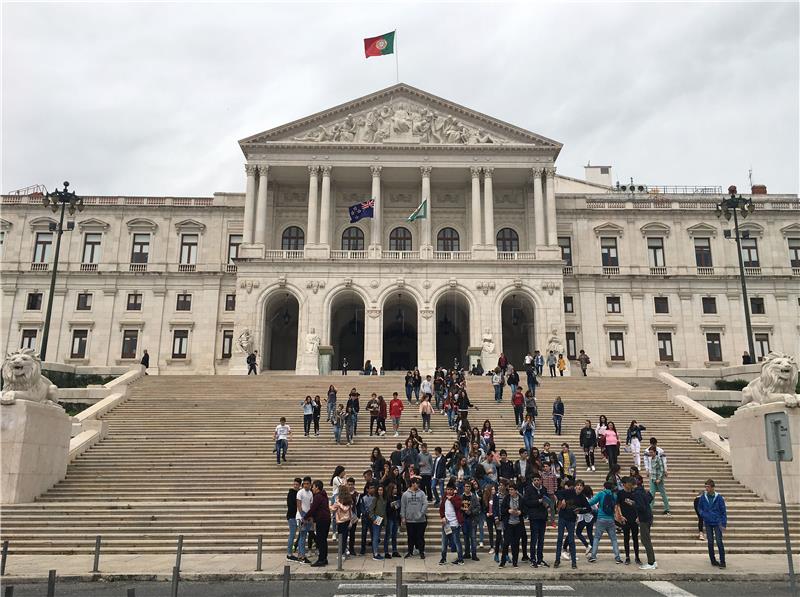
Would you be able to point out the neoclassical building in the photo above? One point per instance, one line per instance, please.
(509, 257)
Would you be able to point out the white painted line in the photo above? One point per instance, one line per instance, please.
(501, 594)
(667, 588)
(455, 586)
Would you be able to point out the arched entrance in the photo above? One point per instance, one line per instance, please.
(347, 330)
(399, 332)
(452, 329)
(281, 317)
(517, 323)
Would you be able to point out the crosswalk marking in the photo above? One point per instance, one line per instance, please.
(667, 588)
(454, 586)
(439, 594)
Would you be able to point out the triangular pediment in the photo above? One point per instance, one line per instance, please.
(702, 230)
(609, 229)
(400, 115)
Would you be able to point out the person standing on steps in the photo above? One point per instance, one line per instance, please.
(345, 365)
(634, 440)
(304, 499)
(317, 414)
(382, 411)
(308, 415)
(251, 363)
(534, 505)
(374, 410)
(354, 407)
(145, 362)
(320, 513)
(530, 369)
(584, 361)
(628, 516)
(562, 365)
(425, 411)
(551, 363)
(538, 361)
(282, 435)
(513, 525)
(291, 517)
(606, 508)
(715, 516)
(330, 400)
(396, 407)
(497, 384)
(612, 444)
(570, 503)
(413, 514)
(657, 473)
(558, 414)
(452, 518)
(644, 511)
(588, 442)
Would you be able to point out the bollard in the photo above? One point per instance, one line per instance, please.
(179, 553)
(404, 591)
(176, 578)
(258, 552)
(398, 580)
(340, 550)
(4, 558)
(51, 583)
(9, 591)
(539, 590)
(287, 570)
(131, 592)
(96, 566)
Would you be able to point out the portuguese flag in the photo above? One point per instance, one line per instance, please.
(379, 46)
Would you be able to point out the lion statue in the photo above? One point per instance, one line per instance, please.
(776, 384)
(23, 379)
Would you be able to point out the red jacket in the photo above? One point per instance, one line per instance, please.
(456, 500)
(518, 399)
(396, 407)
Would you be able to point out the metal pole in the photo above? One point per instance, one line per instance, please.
(404, 591)
(179, 553)
(339, 549)
(51, 583)
(749, 327)
(9, 591)
(4, 558)
(96, 566)
(287, 570)
(539, 590)
(176, 577)
(46, 331)
(787, 538)
(258, 552)
(398, 580)
(131, 592)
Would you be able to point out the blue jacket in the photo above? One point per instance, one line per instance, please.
(598, 499)
(713, 510)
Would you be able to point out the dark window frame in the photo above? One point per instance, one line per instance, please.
(82, 304)
(448, 239)
(401, 239)
(82, 344)
(293, 239)
(507, 240)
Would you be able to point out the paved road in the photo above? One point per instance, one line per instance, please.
(386, 589)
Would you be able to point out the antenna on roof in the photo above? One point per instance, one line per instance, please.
(750, 176)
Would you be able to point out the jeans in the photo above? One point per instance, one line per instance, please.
(531, 379)
(439, 398)
(292, 532)
(409, 391)
(438, 490)
(280, 448)
(498, 393)
(589, 455)
(316, 423)
(376, 539)
(552, 370)
(321, 536)
(305, 528)
(589, 526)
(528, 439)
(391, 533)
(355, 423)
(644, 532)
(307, 420)
(605, 525)
(351, 430)
(366, 530)
(569, 527)
(373, 422)
(513, 534)
(714, 532)
(518, 418)
(612, 452)
(337, 433)
(557, 423)
(452, 540)
(342, 528)
(583, 369)
(513, 388)
(662, 490)
(451, 418)
(469, 538)
(538, 527)
(426, 422)
(426, 486)
(479, 528)
(381, 424)
(416, 392)
(331, 408)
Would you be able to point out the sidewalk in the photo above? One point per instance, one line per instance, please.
(241, 567)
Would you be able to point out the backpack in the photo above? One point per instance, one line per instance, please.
(608, 504)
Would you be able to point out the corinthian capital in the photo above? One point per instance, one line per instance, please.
(376, 170)
(326, 170)
(313, 170)
(251, 169)
(263, 169)
(425, 171)
(475, 171)
(550, 172)
(487, 172)
(537, 172)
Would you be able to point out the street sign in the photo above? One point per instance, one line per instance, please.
(779, 442)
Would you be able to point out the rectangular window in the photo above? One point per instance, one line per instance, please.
(613, 304)
(180, 344)
(569, 307)
(184, 302)
(91, 247)
(188, 249)
(140, 252)
(230, 302)
(84, 301)
(227, 344)
(34, 302)
(702, 252)
(130, 338)
(655, 251)
(616, 346)
(565, 242)
(709, 305)
(757, 305)
(762, 346)
(134, 301)
(572, 346)
(750, 252)
(43, 247)
(2, 240)
(234, 240)
(665, 346)
(608, 251)
(79, 338)
(794, 252)
(714, 346)
(661, 304)
(28, 339)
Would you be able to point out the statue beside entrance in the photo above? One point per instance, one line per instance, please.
(308, 363)
(488, 350)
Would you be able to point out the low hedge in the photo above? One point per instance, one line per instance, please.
(724, 411)
(76, 380)
(73, 408)
(734, 384)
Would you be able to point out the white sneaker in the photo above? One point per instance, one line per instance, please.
(588, 550)
(383, 433)
(652, 566)
(491, 551)
(481, 544)
(588, 469)
(565, 555)
(593, 469)
(396, 434)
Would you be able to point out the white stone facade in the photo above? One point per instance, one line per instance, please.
(371, 293)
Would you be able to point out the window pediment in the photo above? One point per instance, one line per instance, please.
(142, 225)
(755, 230)
(5, 224)
(190, 226)
(702, 230)
(791, 230)
(655, 229)
(42, 224)
(609, 229)
(93, 225)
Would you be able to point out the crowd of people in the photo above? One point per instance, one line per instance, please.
(479, 496)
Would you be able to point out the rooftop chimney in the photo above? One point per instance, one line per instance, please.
(758, 189)
(598, 174)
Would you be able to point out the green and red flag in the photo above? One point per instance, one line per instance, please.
(379, 46)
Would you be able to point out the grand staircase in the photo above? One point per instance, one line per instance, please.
(192, 456)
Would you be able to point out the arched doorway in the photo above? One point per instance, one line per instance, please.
(517, 323)
(399, 332)
(347, 330)
(452, 329)
(281, 317)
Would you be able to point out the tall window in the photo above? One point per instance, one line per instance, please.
(702, 252)
(665, 346)
(569, 305)
(507, 240)
(608, 251)
(757, 305)
(230, 302)
(180, 344)
(184, 302)
(91, 247)
(400, 239)
(2, 241)
(79, 338)
(655, 251)
(616, 346)
(227, 344)
(130, 338)
(140, 250)
(84, 301)
(572, 346)
(794, 252)
(448, 240)
(750, 252)
(28, 339)
(234, 240)
(565, 242)
(292, 239)
(188, 249)
(762, 346)
(714, 346)
(43, 248)
(661, 304)
(353, 239)
(135, 301)
(613, 304)
(34, 302)
(709, 305)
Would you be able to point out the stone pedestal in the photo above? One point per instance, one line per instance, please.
(317, 252)
(747, 437)
(308, 363)
(34, 444)
(325, 359)
(251, 251)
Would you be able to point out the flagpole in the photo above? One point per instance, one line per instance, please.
(396, 59)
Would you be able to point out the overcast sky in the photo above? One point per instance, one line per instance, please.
(151, 99)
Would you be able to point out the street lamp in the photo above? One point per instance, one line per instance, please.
(68, 200)
(731, 206)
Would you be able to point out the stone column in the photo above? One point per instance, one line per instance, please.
(325, 207)
(477, 233)
(249, 204)
(488, 207)
(313, 186)
(550, 191)
(538, 207)
(426, 245)
(261, 206)
(376, 233)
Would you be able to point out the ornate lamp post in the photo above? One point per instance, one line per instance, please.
(67, 200)
(733, 205)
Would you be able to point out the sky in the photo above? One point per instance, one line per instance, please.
(151, 98)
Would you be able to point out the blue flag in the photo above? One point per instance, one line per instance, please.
(361, 210)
